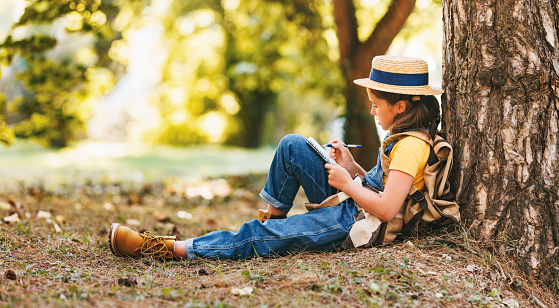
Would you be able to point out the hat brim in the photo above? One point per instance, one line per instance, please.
(421, 90)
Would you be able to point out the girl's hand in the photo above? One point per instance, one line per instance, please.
(338, 176)
(341, 155)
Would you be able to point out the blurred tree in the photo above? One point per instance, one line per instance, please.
(355, 62)
(232, 62)
(58, 85)
(237, 59)
(6, 133)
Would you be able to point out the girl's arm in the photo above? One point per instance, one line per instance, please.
(343, 157)
(384, 206)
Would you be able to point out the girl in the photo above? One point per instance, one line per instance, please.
(401, 100)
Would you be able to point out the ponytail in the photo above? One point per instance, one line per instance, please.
(422, 112)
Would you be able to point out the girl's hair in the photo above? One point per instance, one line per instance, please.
(420, 114)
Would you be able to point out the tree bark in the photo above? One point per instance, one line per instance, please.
(500, 107)
(355, 62)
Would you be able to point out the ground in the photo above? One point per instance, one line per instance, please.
(56, 254)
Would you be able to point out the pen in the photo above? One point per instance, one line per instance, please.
(345, 145)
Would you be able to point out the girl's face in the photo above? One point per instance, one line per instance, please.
(384, 111)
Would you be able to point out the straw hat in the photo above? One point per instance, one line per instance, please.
(399, 75)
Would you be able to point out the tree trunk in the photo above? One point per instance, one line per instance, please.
(500, 113)
(355, 62)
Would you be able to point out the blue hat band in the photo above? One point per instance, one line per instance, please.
(399, 79)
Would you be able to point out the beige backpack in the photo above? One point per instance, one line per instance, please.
(432, 208)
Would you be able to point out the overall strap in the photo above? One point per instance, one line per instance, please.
(385, 160)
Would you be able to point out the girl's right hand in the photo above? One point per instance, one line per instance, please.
(341, 155)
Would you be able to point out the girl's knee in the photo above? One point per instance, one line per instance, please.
(292, 139)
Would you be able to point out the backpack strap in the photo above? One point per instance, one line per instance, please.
(444, 152)
(419, 197)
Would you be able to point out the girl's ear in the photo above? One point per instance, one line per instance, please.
(401, 106)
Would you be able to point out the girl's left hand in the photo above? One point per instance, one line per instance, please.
(338, 176)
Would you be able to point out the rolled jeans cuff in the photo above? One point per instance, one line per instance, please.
(190, 254)
(273, 202)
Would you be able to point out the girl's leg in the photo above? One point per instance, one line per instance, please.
(319, 230)
(295, 164)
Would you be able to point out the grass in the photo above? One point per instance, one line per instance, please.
(41, 265)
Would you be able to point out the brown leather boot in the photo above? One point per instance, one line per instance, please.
(124, 241)
(264, 215)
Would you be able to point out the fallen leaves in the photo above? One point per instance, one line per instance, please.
(242, 292)
(12, 219)
(47, 216)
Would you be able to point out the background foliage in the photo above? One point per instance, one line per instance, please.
(239, 72)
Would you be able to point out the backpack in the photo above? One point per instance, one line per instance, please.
(423, 210)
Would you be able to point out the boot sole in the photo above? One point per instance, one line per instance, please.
(112, 239)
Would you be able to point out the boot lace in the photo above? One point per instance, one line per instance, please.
(153, 246)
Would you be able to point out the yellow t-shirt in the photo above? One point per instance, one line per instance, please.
(409, 155)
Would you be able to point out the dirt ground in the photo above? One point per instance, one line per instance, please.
(54, 252)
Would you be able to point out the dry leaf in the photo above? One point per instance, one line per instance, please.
(9, 274)
(44, 214)
(60, 219)
(128, 281)
(242, 292)
(56, 227)
(135, 199)
(161, 217)
(184, 215)
(133, 222)
(108, 206)
(4, 206)
(409, 245)
(12, 218)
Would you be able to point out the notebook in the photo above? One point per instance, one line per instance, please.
(320, 150)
